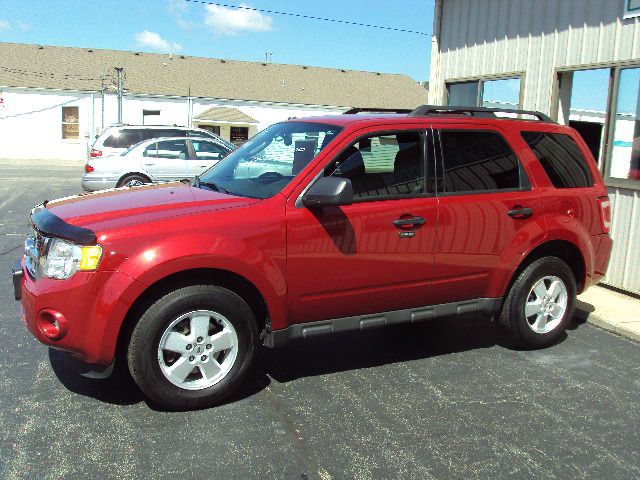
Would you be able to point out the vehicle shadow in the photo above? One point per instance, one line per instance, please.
(324, 355)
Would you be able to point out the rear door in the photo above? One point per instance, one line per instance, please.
(487, 211)
(375, 255)
(166, 160)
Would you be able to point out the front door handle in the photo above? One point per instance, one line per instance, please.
(520, 212)
(409, 222)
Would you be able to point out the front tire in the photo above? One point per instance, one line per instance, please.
(540, 303)
(193, 347)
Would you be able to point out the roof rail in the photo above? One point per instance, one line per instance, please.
(353, 111)
(475, 112)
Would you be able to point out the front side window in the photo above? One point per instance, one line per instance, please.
(561, 158)
(70, 123)
(270, 160)
(207, 150)
(387, 165)
(479, 162)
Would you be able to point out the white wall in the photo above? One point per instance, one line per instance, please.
(31, 120)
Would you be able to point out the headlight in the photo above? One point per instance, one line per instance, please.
(64, 258)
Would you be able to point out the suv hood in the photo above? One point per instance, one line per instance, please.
(107, 209)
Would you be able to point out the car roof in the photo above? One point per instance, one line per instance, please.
(373, 119)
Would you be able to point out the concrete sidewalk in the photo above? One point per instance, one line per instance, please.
(611, 310)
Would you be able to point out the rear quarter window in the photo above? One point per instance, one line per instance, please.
(123, 139)
(561, 158)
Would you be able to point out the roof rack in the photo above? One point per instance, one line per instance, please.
(475, 112)
(353, 111)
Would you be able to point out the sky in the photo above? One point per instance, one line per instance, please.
(206, 30)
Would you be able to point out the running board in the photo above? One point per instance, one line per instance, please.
(481, 306)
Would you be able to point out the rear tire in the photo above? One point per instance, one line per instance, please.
(539, 304)
(193, 347)
(133, 181)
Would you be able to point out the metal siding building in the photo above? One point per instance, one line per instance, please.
(540, 45)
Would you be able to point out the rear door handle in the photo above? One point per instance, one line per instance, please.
(520, 212)
(411, 221)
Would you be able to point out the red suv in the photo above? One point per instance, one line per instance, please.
(318, 226)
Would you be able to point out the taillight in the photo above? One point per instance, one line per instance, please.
(88, 168)
(95, 153)
(605, 213)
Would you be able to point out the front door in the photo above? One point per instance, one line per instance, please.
(166, 160)
(375, 255)
(205, 154)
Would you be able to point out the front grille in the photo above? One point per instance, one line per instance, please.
(34, 249)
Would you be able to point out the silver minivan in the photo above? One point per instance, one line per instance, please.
(118, 138)
(155, 160)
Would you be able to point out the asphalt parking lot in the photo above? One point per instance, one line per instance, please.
(438, 401)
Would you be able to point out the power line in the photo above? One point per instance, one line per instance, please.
(311, 17)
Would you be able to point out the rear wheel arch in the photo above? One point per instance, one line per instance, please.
(566, 251)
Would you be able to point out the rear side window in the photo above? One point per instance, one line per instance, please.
(561, 158)
(123, 139)
(479, 162)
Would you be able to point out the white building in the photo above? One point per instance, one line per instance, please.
(575, 60)
(54, 100)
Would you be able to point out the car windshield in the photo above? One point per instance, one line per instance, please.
(269, 161)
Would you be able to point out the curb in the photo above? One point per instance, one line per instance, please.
(617, 328)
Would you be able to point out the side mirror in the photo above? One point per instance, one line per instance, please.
(329, 192)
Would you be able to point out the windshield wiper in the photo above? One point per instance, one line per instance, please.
(199, 183)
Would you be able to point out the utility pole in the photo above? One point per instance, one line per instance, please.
(120, 90)
(102, 88)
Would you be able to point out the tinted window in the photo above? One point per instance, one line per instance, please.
(561, 158)
(123, 139)
(478, 161)
(383, 165)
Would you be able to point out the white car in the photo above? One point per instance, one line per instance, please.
(117, 139)
(155, 160)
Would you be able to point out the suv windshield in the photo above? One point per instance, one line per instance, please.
(269, 161)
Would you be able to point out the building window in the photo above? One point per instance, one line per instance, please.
(239, 135)
(71, 123)
(215, 129)
(625, 152)
(500, 93)
(464, 94)
(150, 117)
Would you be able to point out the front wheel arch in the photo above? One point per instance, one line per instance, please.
(205, 276)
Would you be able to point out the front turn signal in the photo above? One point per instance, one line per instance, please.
(91, 256)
